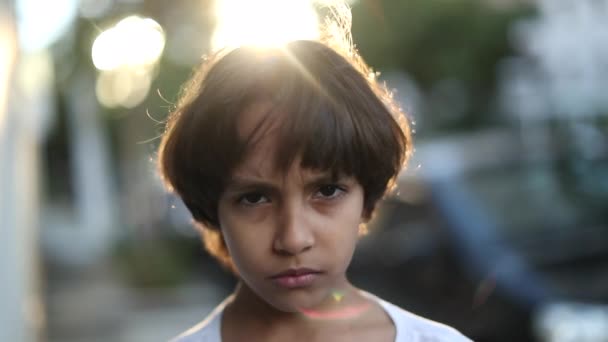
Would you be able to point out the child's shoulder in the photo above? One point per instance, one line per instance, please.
(209, 330)
(411, 327)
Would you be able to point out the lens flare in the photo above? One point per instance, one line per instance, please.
(337, 296)
(344, 312)
(133, 42)
(348, 312)
(263, 22)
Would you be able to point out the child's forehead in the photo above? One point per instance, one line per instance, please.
(266, 173)
(259, 169)
(260, 162)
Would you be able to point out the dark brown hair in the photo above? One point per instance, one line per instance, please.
(330, 113)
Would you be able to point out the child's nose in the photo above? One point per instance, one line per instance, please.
(294, 232)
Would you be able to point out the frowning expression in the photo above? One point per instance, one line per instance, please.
(291, 235)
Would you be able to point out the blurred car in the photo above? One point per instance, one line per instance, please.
(501, 246)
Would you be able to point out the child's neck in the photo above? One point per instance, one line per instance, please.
(345, 303)
(354, 317)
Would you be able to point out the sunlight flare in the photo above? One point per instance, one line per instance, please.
(264, 22)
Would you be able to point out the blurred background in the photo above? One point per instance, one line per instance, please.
(499, 227)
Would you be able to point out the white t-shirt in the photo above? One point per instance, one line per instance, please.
(409, 327)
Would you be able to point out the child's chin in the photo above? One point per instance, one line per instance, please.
(294, 302)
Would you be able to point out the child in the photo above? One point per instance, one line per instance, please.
(281, 155)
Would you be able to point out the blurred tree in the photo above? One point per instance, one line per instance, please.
(437, 40)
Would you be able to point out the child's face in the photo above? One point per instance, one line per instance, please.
(274, 222)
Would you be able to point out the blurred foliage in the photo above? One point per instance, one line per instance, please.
(155, 262)
(435, 40)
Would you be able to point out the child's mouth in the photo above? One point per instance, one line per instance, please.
(295, 278)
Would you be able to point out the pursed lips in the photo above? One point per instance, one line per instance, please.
(296, 277)
(293, 272)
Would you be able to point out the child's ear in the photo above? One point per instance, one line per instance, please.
(366, 214)
(365, 217)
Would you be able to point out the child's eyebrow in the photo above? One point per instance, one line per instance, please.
(238, 183)
(244, 183)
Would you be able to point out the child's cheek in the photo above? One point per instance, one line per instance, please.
(252, 215)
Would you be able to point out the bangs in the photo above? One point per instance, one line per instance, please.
(309, 116)
(307, 125)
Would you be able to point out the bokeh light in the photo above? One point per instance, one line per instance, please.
(122, 88)
(264, 22)
(133, 42)
(127, 54)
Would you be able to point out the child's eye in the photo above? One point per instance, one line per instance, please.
(329, 191)
(253, 198)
